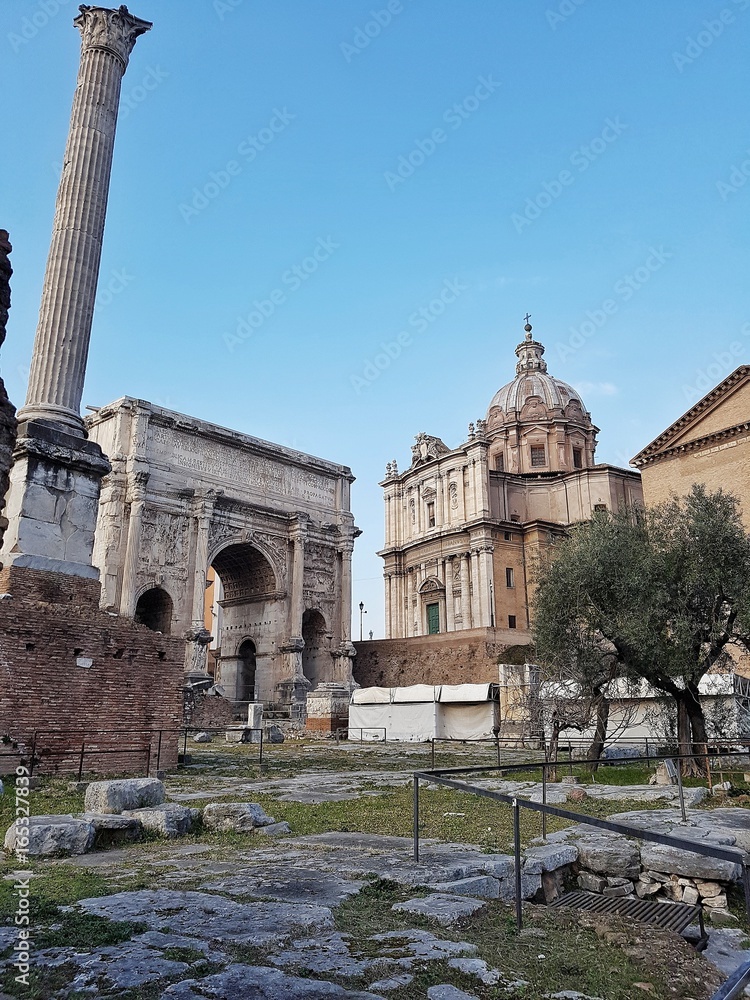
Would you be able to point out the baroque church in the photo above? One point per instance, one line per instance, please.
(465, 525)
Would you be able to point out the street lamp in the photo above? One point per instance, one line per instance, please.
(362, 613)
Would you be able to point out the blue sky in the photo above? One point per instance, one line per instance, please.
(340, 165)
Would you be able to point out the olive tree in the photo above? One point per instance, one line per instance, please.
(660, 595)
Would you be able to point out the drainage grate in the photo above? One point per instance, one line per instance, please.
(671, 916)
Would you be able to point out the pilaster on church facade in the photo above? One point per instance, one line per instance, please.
(464, 527)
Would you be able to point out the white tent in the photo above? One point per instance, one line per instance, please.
(423, 712)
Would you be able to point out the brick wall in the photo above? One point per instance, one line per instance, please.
(51, 626)
(466, 657)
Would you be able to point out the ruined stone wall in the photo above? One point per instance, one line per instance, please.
(67, 665)
(466, 657)
(7, 410)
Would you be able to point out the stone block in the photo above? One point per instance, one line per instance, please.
(609, 854)
(591, 882)
(51, 836)
(680, 862)
(530, 885)
(722, 918)
(708, 888)
(615, 891)
(274, 830)
(447, 992)
(113, 829)
(644, 889)
(718, 902)
(479, 886)
(690, 895)
(201, 738)
(123, 794)
(255, 715)
(238, 817)
(618, 880)
(444, 909)
(167, 820)
(549, 857)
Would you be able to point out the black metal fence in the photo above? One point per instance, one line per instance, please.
(148, 744)
(441, 777)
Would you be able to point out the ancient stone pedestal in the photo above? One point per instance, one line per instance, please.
(53, 500)
(328, 708)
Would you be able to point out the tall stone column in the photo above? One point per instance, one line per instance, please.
(133, 545)
(346, 651)
(466, 617)
(57, 473)
(450, 604)
(58, 364)
(197, 636)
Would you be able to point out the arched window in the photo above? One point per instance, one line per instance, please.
(154, 610)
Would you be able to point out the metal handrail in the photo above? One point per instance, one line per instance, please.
(734, 986)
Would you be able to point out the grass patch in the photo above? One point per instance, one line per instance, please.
(87, 930)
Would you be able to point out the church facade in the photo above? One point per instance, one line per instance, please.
(465, 526)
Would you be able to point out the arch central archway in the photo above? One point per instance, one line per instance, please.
(241, 619)
(315, 650)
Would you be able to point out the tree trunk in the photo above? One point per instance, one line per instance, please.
(553, 745)
(697, 727)
(600, 734)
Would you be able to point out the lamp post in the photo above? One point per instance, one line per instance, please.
(362, 613)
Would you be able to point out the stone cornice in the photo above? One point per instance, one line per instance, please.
(658, 447)
(738, 430)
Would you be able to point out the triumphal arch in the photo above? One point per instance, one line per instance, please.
(205, 532)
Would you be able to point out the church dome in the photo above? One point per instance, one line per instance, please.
(537, 423)
(532, 379)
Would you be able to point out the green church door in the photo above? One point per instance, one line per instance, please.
(433, 619)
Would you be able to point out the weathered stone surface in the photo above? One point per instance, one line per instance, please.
(609, 854)
(444, 909)
(239, 817)
(220, 919)
(478, 886)
(424, 946)
(670, 859)
(260, 983)
(614, 891)
(392, 982)
(202, 738)
(549, 857)
(531, 883)
(690, 895)
(51, 836)
(476, 967)
(591, 882)
(290, 884)
(113, 829)
(275, 735)
(274, 830)
(447, 992)
(727, 949)
(126, 793)
(168, 819)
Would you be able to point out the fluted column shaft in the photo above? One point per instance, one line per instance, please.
(58, 364)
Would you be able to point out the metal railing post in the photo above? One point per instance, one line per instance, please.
(260, 752)
(148, 759)
(184, 746)
(517, 852)
(80, 761)
(544, 801)
(432, 745)
(158, 752)
(746, 886)
(416, 818)
(680, 791)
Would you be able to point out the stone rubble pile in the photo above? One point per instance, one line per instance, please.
(121, 810)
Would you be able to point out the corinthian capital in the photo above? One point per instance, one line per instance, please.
(115, 31)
